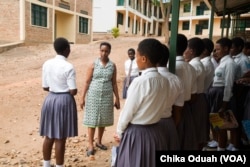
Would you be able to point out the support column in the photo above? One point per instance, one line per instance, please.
(22, 19)
(134, 25)
(173, 37)
(211, 21)
(126, 17)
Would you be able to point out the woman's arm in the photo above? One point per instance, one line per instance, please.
(115, 88)
(89, 76)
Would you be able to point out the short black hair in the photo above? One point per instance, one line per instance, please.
(164, 56)
(131, 50)
(60, 44)
(152, 49)
(197, 45)
(247, 45)
(106, 44)
(209, 45)
(224, 42)
(238, 42)
(181, 44)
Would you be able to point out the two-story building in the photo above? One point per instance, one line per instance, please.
(142, 17)
(41, 21)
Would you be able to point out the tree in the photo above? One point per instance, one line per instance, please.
(165, 6)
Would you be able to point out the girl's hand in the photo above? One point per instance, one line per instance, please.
(117, 138)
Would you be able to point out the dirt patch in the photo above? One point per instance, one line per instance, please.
(21, 98)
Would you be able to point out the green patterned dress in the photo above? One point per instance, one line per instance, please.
(99, 99)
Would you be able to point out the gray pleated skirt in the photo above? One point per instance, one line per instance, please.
(125, 89)
(186, 129)
(171, 134)
(59, 116)
(200, 115)
(247, 107)
(215, 98)
(139, 144)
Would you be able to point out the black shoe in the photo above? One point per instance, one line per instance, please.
(90, 152)
(102, 147)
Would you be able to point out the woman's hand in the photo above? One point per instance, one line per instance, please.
(82, 103)
(117, 104)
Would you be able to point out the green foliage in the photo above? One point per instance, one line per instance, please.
(115, 32)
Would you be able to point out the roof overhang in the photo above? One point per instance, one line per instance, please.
(230, 6)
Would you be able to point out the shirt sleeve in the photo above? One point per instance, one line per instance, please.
(130, 108)
(229, 81)
(45, 83)
(71, 78)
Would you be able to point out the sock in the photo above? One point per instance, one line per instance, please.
(46, 163)
(59, 165)
(220, 149)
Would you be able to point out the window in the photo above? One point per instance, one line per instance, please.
(128, 21)
(120, 3)
(224, 23)
(119, 18)
(203, 24)
(203, 6)
(185, 25)
(39, 15)
(43, 1)
(187, 7)
(83, 25)
(247, 23)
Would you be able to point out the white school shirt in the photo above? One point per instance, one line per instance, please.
(242, 60)
(58, 74)
(146, 101)
(224, 76)
(200, 73)
(134, 69)
(209, 71)
(176, 90)
(187, 75)
(215, 63)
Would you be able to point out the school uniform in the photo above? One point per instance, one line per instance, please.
(130, 74)
(138, 126)
(243, 61)
(209, 75)
(186, 128)
(215, 63)
(177, 99)
(209, 72)
(199, 106)
(223, 82)
(59, 113)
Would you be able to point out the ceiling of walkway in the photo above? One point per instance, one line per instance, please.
(232, 6)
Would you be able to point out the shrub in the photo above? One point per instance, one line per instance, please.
(115, 32)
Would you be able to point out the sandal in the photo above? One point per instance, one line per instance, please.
(90, 152)
(101, 146)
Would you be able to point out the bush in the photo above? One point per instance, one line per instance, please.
(115, 32)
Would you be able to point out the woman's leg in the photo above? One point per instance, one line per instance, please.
(47, 148)
(91, 133)
(60, 150)
(100, 134)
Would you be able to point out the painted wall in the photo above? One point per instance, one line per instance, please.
(104, 15)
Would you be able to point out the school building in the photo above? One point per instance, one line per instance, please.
(41, 21)
(143, 18)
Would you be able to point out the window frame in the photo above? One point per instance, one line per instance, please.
(39, 16)
(185, 27)
(83, 25)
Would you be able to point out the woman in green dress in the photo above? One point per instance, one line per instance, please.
(98, 101)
